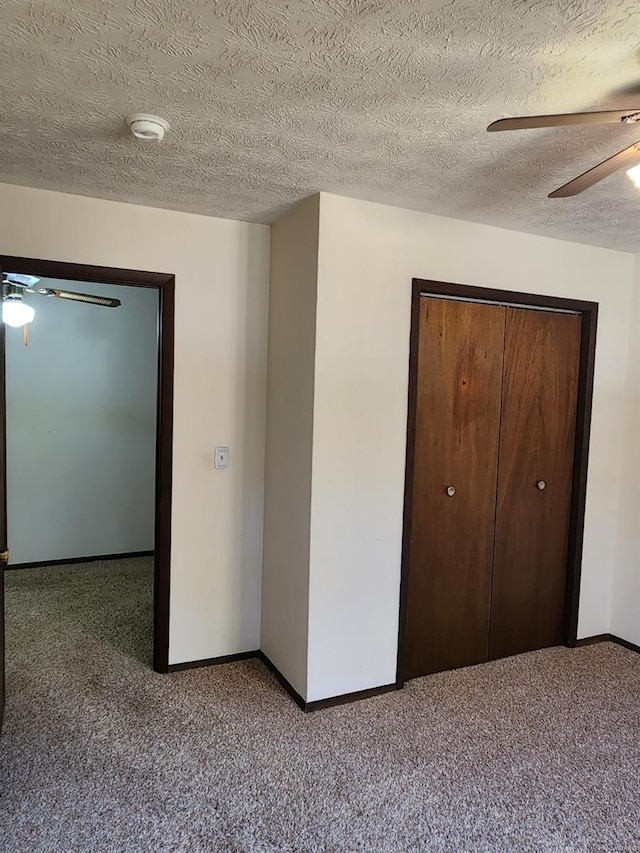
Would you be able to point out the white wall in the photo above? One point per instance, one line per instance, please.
(81, 426)
(222, 271)
(292, 321)
(625, 611)
(368, 255)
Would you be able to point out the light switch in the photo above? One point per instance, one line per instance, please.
(221, 457)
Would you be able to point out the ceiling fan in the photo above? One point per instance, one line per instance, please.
(16, 312)
(602, 170)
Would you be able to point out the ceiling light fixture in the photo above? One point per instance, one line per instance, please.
(147, 127)
(634, 175)
(16, 312)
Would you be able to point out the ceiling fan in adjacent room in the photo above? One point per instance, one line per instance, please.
(16, 312)
(623, 158)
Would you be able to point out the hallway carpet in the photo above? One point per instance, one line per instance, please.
(535, 753)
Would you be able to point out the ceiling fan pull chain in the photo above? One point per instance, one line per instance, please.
(25, 335)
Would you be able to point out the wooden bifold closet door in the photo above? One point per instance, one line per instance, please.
(457, 427)
(492, 476)
(535, 474)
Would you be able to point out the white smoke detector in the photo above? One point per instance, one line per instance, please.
(147, 127)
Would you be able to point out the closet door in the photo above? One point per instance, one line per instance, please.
(541, 364)
(458, 390)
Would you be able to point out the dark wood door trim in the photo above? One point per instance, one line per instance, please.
(589, 316)
(165, 284)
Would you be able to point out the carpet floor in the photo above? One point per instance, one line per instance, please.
(539, 752)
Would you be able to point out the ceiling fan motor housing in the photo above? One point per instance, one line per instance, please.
(11, 291)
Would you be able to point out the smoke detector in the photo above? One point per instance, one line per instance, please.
(147, 127)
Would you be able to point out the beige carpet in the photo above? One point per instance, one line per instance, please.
(535, 753)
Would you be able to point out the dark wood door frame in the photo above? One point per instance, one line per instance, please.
(589, 316)
(165, 284)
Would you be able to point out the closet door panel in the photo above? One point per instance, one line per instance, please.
(458, 393)
(537, 433)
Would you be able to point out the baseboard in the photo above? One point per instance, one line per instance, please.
(195, 664)
(626, 643)
(317, 705)
(297, 698)
(608, 638)
(72, 561)
(257, 654)
(345, 698)
(331, 701)
(590, 641)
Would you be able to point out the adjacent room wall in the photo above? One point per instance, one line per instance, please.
(81, 426)
(625, 610)
(292, 322)
(368, 254)
(222, 273)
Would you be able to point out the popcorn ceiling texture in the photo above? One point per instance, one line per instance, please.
(271, 101)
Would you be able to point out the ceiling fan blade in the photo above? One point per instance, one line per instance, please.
(20, 280)
(566, 119)
(602, 170)
(72, 296)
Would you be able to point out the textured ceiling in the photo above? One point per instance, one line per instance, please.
(271, 101)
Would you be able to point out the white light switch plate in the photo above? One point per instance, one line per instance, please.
(221, 457)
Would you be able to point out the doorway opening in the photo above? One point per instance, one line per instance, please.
(500, 388)
(154, 391)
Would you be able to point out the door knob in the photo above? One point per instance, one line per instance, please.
(451, 490)
(4, 556)
(541, 485)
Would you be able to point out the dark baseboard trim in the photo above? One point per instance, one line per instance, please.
(195, 664)
(625, 643)
(72, 561)
(297, 698)
(608, 638)
(345, 698)
(590, 641)
(331, 701)
(317, 705)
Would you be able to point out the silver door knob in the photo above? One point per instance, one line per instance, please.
(541, 484)
(451, 490)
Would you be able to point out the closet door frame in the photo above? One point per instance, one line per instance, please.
(588, 312)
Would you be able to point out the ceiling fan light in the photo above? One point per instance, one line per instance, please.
(17, 313)
(634, 175)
